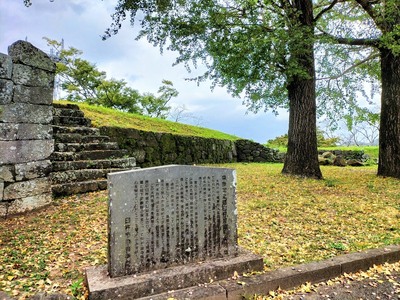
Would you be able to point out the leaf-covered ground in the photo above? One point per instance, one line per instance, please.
(378, 282)
(286, 220)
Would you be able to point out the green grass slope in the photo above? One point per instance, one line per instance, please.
(102, 116)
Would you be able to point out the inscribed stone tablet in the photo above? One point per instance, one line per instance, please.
(170, 215)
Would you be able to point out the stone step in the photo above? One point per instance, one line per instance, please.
(78, 138)
(80, 175)
(88, 155)
(67, 112)
(120, 163)
(78, 147)
(79, 187)
(66, 106)
(75, 130)
(71, 121)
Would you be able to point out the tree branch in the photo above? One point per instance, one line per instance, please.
(367, 6)
(370, 57)
(333, 3)
(330, 6)
(350, 41)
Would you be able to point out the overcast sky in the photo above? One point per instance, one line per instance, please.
(81, 23)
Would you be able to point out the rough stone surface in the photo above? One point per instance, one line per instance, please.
(32, 170)
(33, 95)
(5, 66)
(27, 54)
(25, 131)
(7, 173)
(6, 91)
(34, 131)
(26, 89)
(8, 131)
(12, 152)
(249, 151)
(30, 76)
(27, 188)
(170, 215)
(101, 286)
(26, 113)
(154, 149)
(29, 203)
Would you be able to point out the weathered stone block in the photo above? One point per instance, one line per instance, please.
(30, 76)
(32, 170)
(6, 91)
(8, 131)
(28, 131)
(160, 217)
(25, 131)
(6, 66)
(12, 152)
(27, 188)
(7, 173)
(27, 54)
(29, 203)
(26, 113)
(33, 94)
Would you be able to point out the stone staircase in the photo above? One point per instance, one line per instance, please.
(82, 157)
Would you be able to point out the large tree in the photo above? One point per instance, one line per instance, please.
(260, 50)
(375, 26)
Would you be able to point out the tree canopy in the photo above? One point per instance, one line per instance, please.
(82, 81)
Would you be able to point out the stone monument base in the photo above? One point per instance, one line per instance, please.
(101, 286)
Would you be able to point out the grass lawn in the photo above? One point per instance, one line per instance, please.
(286, 220)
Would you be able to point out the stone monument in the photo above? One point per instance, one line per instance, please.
(169, 228)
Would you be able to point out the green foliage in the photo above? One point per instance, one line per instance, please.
(282, 141)
(83, 82)
(278, 142)
(158, 106)
(250, 47)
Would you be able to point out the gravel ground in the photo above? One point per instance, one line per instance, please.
(380, 282)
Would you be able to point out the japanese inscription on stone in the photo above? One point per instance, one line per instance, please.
(170, 215)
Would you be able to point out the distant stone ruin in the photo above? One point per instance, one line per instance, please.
(26, 138)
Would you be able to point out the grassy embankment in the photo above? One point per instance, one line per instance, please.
(102, 116)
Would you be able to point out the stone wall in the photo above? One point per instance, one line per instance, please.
(156, 149)
(347, 154)
(249, 151)
(26, 136)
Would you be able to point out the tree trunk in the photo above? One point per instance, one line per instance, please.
(389, 133)
(302, 153)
